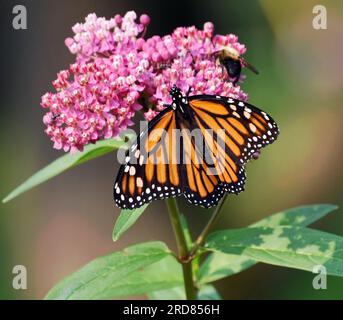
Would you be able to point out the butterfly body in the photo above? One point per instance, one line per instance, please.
(196, 147)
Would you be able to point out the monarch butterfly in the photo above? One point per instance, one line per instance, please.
(233, 64)
(153, 170)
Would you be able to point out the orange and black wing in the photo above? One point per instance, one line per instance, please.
(151, 170)
(233, 132)
(199, 152)
(247, 128)
(206, 172)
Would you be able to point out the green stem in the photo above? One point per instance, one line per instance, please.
(175, 218)
(201, 238)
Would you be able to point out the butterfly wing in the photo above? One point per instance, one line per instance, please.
(247, 128)
(206, 176)
(161, 164)
(151, 170)
(239, 131)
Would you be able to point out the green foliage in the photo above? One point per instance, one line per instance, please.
(298, 216)
(293, 247)
(66, 162)
(109, 276)
(219, 265)
(161, 275)
(150, 268)
(125, 220)
(206, 292)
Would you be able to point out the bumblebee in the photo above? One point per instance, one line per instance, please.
(233, 63)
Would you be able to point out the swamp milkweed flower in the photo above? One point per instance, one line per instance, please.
(118, 72)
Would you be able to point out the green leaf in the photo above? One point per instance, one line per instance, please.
(293, 247)
(162, 275)
(299, 216)
(125, 220)
(175, 293)
(206, 292)
(66, 162)
(96, 279)
(219, 265)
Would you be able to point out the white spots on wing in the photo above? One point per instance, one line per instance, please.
(251, 147)
(241, 103)
(141, 160)
(127, 159)
(247, 114)
(252, 127)
(230, 101)
(132, 171)
(233, 107)
(139, 182)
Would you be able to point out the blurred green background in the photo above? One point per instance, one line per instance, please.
(61, 225)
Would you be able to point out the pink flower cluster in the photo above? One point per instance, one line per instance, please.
(118, 72)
